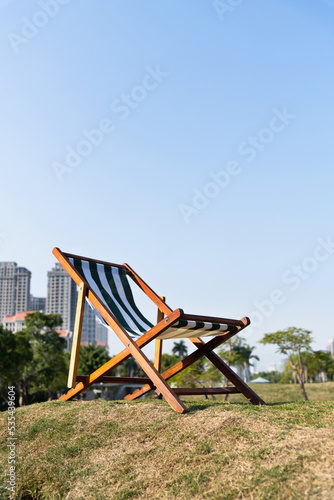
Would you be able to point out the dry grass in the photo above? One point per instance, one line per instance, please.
(143, 450)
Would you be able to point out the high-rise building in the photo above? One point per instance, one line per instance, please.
(271, 367)
(252, 367)
(101, 333)
(61, 299)
(14, 289)
(7, 289)
(22, 295)
(88, 333)
(282, 363)
(61, 296)
(37, 303)
(330, 347)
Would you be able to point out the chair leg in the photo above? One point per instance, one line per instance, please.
(158, 349)
(157, 354)
(156, 377)
(230, 374)
(72, 373)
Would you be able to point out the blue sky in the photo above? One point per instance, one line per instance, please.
(186, 93)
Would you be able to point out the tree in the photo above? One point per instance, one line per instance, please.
(211, 374)
(16, 353)
(47, 369)
(168, 360)
(320, 364)
(195, 375)
(231, 354)
(180, 349)
(290, 342)
(33, 359)
(37, 323)
(49, 364)
(91, 358)
(130, 368)
(191, 376)
(242, 355)
(227, 353)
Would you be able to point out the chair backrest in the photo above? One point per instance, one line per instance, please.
(111, 286)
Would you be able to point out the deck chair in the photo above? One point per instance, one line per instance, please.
(106, 287)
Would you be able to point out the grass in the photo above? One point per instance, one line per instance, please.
(142, 449)
(274, 393)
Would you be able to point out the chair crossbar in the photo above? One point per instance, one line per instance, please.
(117, 380)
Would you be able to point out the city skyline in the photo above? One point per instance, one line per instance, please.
(60, 298)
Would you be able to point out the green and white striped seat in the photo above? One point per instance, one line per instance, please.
(111, 286)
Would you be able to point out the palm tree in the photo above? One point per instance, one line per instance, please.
(130, 368)
(242, 356)
(226, 352)
(180, 349)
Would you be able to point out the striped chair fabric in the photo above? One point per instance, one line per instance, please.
(111, 286)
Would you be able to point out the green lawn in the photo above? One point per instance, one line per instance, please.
(144, 450)
(277, 393)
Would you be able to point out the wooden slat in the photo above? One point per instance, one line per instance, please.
(158, 342)
(71, 381)
(157, 354)
(197, 391)
(63, 260)
(117, 380)
(158, 349)
(213, 319)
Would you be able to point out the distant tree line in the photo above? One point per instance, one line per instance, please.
(35, 360)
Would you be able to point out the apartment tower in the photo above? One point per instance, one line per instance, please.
(14, 289)
(61, 299)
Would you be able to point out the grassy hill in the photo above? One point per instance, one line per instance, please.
(143, 450)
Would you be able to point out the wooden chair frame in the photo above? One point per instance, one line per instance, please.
(166, 317)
